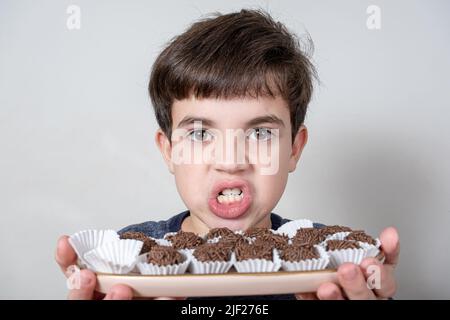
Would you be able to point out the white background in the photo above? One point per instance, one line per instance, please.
(76, 128)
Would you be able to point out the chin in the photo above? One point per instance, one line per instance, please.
(232, 224)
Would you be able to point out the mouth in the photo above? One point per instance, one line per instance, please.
(230, 199)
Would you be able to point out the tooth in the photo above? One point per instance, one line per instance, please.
(226, 192)
(236, 190)
(229, 196)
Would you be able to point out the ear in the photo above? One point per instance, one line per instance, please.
(297, 147)
(165, 147)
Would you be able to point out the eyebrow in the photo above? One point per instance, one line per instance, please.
(187, 120)
(271, 118)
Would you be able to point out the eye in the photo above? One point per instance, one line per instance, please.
(200, 135)
(260, 134)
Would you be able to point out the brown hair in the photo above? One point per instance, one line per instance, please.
(234, 55)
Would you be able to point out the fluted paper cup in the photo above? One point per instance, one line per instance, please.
(210, 267)
(87, 240)
(117, 257)
(163, 242)
(146, 268)
(356, 256)
(258, 265)
(308, 264)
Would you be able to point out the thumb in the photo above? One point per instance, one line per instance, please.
(65, 256)
(390, 244)
(306, 296)
(87, 286)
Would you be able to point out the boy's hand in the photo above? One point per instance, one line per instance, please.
(66, 256)
(352, 278)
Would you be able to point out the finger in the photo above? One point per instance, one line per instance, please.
(353, 282)
(119, 292)
(384, 283)
(65, 256)
(390, 245)
(306, 296)
(329, 291)
(98, 295)
(87, 286)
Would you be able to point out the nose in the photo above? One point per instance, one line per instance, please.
(233, 157)
(231, 167)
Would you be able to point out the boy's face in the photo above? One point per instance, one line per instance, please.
(231, 159)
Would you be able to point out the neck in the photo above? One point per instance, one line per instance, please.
(193, 224)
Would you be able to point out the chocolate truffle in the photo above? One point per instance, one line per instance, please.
(329, 230)
(308, 236)
(219, 232)
(212, 252)
(360, 236)
(277, 241)
(232, 241)
(341, 245)
(148, 242)
(256, 232)
(253, 251)
(164, 256)
(298, 253)
(185, 240)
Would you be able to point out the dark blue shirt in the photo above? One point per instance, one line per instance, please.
(157, 229)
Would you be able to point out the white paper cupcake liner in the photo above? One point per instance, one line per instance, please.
(334, 236)
(290, 228)
(309, 264)
(168, 234)
(210, 267)
(87, 240)
(356, 256)
(146, 268)
(337, 236)
(117, 257)
(258, 265)
(163, 242)
(213, 240)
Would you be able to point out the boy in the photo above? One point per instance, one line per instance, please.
(235, 84)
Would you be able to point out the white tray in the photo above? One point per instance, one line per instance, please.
(229, 284)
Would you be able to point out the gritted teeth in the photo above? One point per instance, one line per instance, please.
(230, 195)
(229, 198)
(228, 192)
